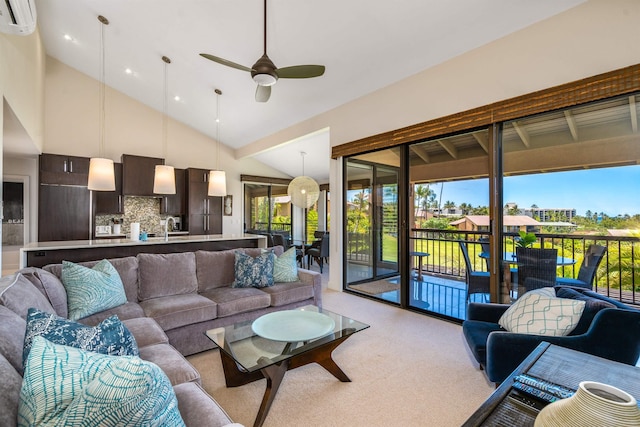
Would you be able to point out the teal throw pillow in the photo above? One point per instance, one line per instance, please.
(91, 290)
(109, 337)
(285, 267)
(253, 272)
(66, 386)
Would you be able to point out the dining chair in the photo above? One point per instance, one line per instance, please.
(536, 268)
(586, 274)
(477, 281)
(320, 253)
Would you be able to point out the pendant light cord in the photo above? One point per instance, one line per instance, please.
(167, 61)
(102, 96)
(218, 92)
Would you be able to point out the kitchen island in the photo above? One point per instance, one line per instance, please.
(39, 254)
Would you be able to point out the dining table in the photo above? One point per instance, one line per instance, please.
(511, 258)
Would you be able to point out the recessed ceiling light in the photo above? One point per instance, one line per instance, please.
(176, 98)
(68, 37)
(128, 71)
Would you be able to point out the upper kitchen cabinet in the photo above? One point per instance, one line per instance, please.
(110, 202)
(174, 204)
(204, 213)
(59, 169)
(137, 174)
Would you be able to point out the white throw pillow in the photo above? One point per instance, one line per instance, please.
(538, 314)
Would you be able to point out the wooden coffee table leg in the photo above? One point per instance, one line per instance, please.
(322, 356)
(274, 375)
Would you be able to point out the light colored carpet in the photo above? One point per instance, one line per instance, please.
(377, 287)
(406, 370)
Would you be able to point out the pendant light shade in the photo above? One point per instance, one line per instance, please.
(164, 179)
(101, 177)
(303, 190)
(101, 171)
(217, 178)
(217, 183)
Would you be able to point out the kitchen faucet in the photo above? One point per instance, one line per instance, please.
(166, 227)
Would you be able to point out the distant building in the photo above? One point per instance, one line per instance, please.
(549, 214)
(512, 223)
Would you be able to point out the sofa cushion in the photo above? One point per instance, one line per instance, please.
(215, 269)
(285, 267)
(198, 408)
(12, 330)
(591, 308)
(476, 332)
(179, 310)
(109, 337)
(68, 386)
(535, 313)
(91, 290)
(10, 392)
(253, 272)
(287, 293)
(146, 331)
(18, 294)
(128, 310)
(172, 363)
(232, 301)
(163, 275)
(50, 286)
(126, 267)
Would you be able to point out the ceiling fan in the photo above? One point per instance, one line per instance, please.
(265, 73)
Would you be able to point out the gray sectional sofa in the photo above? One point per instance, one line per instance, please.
(172, 299)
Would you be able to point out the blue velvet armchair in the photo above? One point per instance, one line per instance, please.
(607, 328)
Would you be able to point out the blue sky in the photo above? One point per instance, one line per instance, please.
(614, 191)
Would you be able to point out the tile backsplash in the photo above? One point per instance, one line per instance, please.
(145, 210)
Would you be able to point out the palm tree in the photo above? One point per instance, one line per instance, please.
(449, 205)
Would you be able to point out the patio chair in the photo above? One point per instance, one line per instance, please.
(588, 268)
(536, 268)
(484, 244)
(477, 281)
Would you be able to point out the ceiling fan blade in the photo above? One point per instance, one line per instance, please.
(225, 62)
(263, 93)
(300, 71)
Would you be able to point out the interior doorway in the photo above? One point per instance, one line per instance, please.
(15, 223)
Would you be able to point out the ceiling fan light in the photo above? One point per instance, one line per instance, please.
(264, 79)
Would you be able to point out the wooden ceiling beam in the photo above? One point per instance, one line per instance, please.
(522, 133)
(482, 139)
(420, 152)
(451, 149)
(571, 121)
(634, 113)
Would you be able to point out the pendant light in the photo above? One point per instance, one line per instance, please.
(101, 172)
(164, 180)
(303, 190)
(217, 178)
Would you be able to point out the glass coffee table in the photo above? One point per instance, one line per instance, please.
(269, 346)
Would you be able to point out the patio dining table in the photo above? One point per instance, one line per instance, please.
(511, 258)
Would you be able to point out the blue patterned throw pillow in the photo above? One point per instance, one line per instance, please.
(109, 337)
(285, 267)
(65, 386)
(254, 272)
(92, 290)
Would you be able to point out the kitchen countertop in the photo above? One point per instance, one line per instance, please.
(181, 238)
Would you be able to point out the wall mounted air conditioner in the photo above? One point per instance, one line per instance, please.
(17, 17)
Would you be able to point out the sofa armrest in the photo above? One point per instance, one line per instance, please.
(315, 279)
(486, 312)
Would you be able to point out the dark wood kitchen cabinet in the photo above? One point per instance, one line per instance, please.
(138, 173)
(64, 213)
(174, 204)
(111, 202)
(204, 213)
(59, 169)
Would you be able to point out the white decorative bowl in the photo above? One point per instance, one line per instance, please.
(593, 404)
